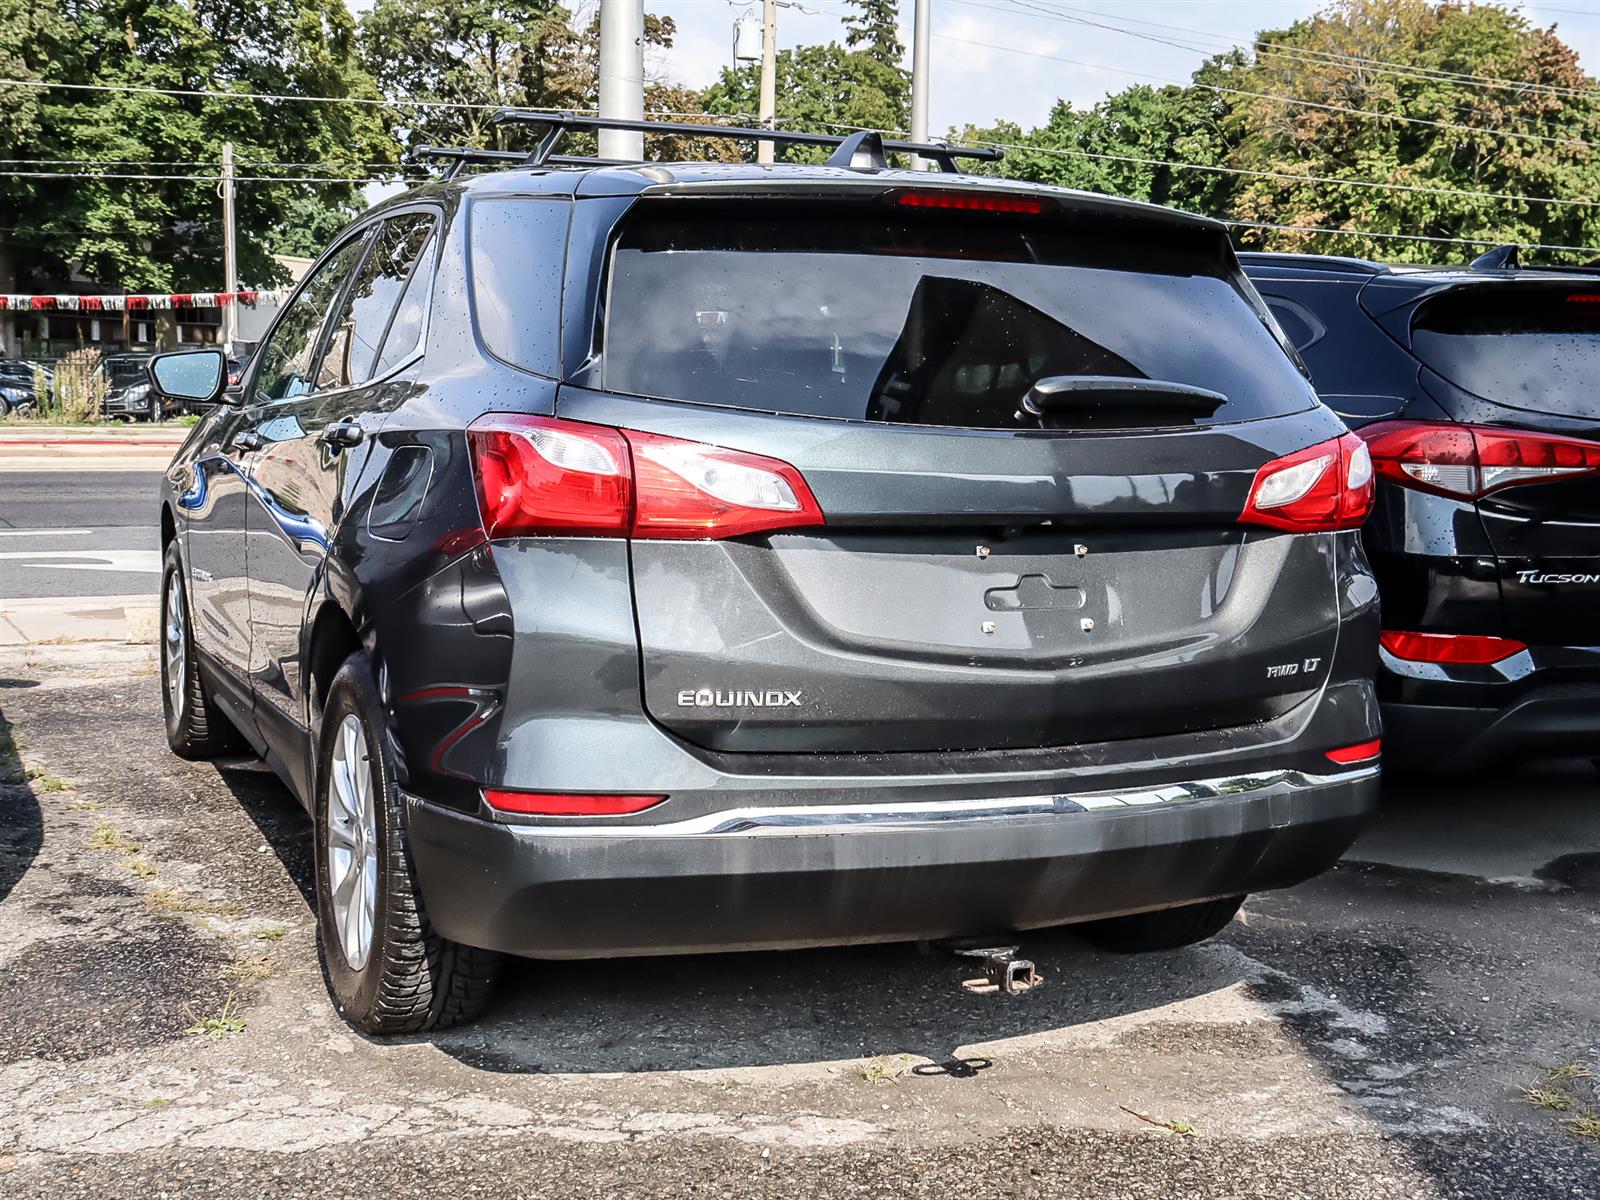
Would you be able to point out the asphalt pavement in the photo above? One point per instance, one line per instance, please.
(78, 532)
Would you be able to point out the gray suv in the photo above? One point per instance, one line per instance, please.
(624, 559)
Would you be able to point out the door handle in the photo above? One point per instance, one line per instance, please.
(342, 435)
(246, 441)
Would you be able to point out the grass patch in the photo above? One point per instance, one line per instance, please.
(158, 1102)
(1569, 1072)
(85, 806)
(10, 755)
(272, 933)
(107, 836)
(1585, 1125)
(1553, 1098)
(217, 1025)
(885, 1066)
(172, 902)
(142, 867)
(248, 970)
(46, 782)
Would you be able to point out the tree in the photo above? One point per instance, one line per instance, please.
(148, 234)
(875, 25)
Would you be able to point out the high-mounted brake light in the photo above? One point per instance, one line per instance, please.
(1321, 488)
(545, 475)
(1583, 298)
(550, 804)
(1360, 752)
(1459, 648)
(1467, 462)
(971, 202)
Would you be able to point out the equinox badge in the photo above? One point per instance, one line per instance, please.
(707, 698)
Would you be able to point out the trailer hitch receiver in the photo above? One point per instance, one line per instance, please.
(1003, 972)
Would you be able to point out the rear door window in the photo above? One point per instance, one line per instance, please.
(1528, 345)
(927, 318)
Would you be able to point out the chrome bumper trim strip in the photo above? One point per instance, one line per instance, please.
(860, 818)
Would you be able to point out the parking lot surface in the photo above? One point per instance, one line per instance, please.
(1414, 1024)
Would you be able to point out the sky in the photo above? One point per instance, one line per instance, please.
(977, 74)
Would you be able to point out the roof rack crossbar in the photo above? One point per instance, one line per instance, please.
(558, 125)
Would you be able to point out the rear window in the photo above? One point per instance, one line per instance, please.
(1533, 346)
(928, 318)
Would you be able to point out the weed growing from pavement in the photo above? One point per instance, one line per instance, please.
(1175, 1127)
(172, 901)
(142, 867)
(85, 806)
(245, 970)
(46, 782)
(10, 755)
(218, 1025)
(1556, 1093)
(885, 1066)
(107, 836)
(272, 933)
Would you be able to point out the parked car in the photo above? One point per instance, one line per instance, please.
(19, 395)
(1474, 388)
(128, 392)
(700, 557)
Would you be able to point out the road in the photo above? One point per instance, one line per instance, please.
(78, 532)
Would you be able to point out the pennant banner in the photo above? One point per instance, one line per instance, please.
(119, 302)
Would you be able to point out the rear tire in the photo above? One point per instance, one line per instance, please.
(1164, 930)
(387, 970)
(196, 728)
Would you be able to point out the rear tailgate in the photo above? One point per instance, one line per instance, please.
(981, 581)
(1527, 355)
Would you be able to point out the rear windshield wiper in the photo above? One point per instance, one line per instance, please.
(1117, 401)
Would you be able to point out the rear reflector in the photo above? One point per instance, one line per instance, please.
(544, 475)
(971, 202)
(1321, 488)
(1470, 461)
(1360, 752)
(550, 804)
(1464, 648)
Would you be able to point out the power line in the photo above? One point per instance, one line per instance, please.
(1289, 100)
(324, 179)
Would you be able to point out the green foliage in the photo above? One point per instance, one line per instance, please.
(150, 235)
(1276, 128)
(875, 25)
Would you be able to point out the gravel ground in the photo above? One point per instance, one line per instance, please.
(1369, 1034)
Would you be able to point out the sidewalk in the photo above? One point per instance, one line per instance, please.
(27, 447)
(55, 619)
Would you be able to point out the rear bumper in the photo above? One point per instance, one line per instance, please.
(854, 871)
(1541, 703)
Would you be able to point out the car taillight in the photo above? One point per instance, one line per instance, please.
(1467, 462)
(1360, 752)
(1463, 648)
(544, 475)
(551, 804)
(1321, 488)
(963, 201)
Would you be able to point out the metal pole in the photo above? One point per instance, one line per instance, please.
(769, 74)
(622, 75)
(230, 261)
(919, 79)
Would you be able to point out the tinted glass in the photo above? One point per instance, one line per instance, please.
(928, 318)
(353, 343)
(1299, 325)
(405, 326)
(1533, 346)
(287, 355)
(518, 253)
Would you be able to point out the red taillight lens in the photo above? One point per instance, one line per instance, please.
(1466, 462)
(971, 202)
(1360, 752)
(550, 804)
(544, 475)
(1449, 647)
(1323, 487)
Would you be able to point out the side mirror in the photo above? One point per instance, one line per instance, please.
(191, 376)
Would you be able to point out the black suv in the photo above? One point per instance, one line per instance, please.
(1475, 389)
(638, 559)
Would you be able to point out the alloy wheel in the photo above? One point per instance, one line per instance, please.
(175, 647)
(352, 842)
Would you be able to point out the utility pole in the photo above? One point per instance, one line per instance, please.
(622, 76)
(769, 74)
(230, 261)
(919, 79)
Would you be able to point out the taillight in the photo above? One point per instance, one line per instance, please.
(1467, 462)
(963, 201)
(1360, 752)
(544, 475)
(1460, 648)
(1321, 488)
(551, 804)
